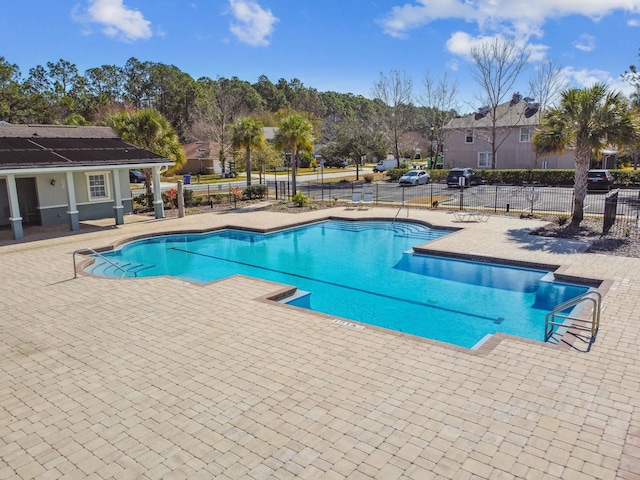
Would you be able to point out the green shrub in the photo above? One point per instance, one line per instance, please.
(368, 178)
(218, 198)
(300, 199)
(145, 200)
(394, 174)
(626, 178)
(255, 191)
(438, 175)
(192, 200)
(524, 176)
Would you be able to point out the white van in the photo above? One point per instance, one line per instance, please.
(384, 165)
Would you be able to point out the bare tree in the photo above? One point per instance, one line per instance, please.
(395, 94)
(546, 83)
(441, 98)
(220, 103)
(496, 66)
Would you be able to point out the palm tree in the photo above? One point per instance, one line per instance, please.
(148, 129)
(295, 134)
(247, 133)
(588, 120)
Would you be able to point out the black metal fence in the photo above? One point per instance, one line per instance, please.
(621, 208)
(619, 211)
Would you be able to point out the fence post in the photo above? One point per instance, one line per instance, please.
(610, 210)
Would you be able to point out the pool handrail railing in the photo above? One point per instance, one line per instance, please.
(93, 252)
(591, 296)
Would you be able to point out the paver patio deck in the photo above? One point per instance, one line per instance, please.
(158, 378)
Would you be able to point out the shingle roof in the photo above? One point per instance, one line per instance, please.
(507, 115)
(201, 150)
(55, 131)
(50, 146)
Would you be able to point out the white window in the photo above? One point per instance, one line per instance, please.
(484, 159)
(525, 134)
(468, 136)
(98, 186)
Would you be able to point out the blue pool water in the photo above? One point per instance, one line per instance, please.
(364, 271)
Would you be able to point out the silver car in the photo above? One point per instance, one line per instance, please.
(415, 177)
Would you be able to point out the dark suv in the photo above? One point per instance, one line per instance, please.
(471, 177)
(335, 163)
(136, 176)
(599, 180)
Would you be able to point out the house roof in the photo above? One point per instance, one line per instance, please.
(201, 150)
(509, 114)
(58, 146)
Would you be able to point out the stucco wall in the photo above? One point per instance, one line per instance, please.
(512, 153)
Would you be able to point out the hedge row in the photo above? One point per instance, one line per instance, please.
(622, 178)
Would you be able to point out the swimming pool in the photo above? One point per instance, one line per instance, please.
(364, 271)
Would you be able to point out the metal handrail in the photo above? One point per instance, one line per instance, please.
(595, 314)
(115, 265)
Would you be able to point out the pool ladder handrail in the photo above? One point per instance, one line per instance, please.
(594, 297)
(398, 213)
(91, 250)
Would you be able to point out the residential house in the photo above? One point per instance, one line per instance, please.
(203, 157)
(467, 139)
(54, 174)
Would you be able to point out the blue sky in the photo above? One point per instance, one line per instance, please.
(337, 45)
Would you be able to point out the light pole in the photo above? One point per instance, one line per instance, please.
(431, 149)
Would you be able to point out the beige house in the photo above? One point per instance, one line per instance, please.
(467, 139)
(202, 158)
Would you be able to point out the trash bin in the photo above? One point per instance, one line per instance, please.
(187, 178)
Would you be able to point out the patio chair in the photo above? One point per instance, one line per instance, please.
(355, 200)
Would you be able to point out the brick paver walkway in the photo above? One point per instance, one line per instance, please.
(158, 378)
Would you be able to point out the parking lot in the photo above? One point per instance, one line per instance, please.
(496, 198)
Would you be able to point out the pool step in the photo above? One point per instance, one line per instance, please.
(129, 269)
(402, 229)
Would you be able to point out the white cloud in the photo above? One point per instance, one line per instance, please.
(634, 22)
(586, 78)
(253, 24)
(519, 18)
(115, 18)
(586, 43)
(461, 43)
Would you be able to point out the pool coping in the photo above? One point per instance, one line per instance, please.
(284, 291)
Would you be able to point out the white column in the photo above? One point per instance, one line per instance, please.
(14, 208)
(118, 208)
(158, 206)
(72, 212)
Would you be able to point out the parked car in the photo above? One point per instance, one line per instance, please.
(336, 163)
(471, 177)
(415, 177)
(136, 176)
(599, 180)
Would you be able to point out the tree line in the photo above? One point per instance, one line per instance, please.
(205, 108)
(396, 120)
